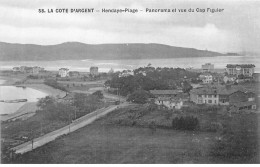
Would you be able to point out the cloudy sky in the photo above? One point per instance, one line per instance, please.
(237, 28)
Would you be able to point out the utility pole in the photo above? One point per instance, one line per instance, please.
(32, 136)
(75, 112)
(41, 128)
(32, 143)
(119, 96)
(69, 123)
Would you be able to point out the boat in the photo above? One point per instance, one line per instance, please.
(15, 101)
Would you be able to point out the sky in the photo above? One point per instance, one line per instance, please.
(235, 29)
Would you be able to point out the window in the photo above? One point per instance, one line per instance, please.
(215, 96)
(209, 96)
(209, 101)
(215, 101)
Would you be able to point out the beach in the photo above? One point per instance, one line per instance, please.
(29, 108)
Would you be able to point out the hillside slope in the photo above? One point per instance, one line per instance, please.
(79, 51)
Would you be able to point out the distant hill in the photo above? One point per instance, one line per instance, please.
(80, 51)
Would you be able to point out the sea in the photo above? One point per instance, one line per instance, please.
(14, 93)
(130, 64)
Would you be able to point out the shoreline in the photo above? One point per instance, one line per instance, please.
(29, 108)
(46, 89)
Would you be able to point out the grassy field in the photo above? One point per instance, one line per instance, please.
(99, 143)
(19, 131)
(109, 140)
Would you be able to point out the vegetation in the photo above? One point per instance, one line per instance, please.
(139, 96)
(53, 83)
(98, 94)
(149, 78)
(239, 141)
(185, 123)
(51, 115)
(147, 135)
(104, 144)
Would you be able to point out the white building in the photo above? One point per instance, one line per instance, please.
(170, 103)
(240, 69)
(37, 69)
(206, 78)
(229, 78)
(208, 67)
(64, 72)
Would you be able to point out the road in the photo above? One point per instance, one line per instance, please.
(75, 125)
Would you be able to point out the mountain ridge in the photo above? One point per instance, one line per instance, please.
(82, 51)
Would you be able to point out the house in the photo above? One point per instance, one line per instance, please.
(229, 78)
(242, 106)
(170, 103)
(28, 70)
(165, 93)
(242, 101)
(208, 67)
(16, 69)
(126, 73)
(238, 69)
(36, 69)
(206, 78)
(22, 68)
(63, 72)
(204, 96)
(222, 95)
(93, 71)
(74, 74)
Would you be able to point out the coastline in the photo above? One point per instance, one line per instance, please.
(46, 89)
(29, 108)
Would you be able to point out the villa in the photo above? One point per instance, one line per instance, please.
(63, 72)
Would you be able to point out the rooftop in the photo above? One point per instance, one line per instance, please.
(165, 92)
(64, 69)
(221, 90)
(169, 99)
(240, 65)
(246, 103)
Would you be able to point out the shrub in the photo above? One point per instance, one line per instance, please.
(185, 123)
(139, 97)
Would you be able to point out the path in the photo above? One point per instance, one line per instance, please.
(79, 123)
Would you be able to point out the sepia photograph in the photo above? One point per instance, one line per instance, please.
(130, 82)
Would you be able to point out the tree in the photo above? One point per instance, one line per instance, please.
(139, 96)
(99, 94)
(185, 123)
(85, 103)
(44, 102)
(186, 87)
(152, 126)
(59, 111)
